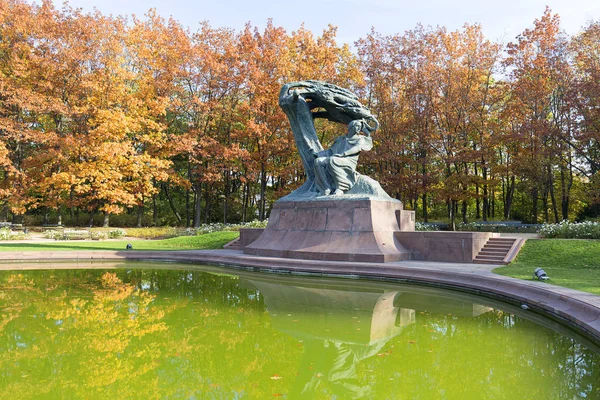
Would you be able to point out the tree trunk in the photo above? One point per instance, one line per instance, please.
(4, 213)
(140, 213)
(425, 216)
(477, 200)
(553, 198)
(545, 204)
(106, 222)
(226, 199)
(188, 212)
(198, 205)
(452, 213)
(464, 211)
(493, 206)
(534, 206)
(187, 208)
(510, 191)
(207, 204)
(486, 200)
(263, 189)
(171, 204)
(424, 173)
(566, 190)
(246, 194)
(154, 211)
(91, 219)
(71, 207)
(59, 216)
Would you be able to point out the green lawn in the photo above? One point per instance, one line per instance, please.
(214, 240)
(572, 263)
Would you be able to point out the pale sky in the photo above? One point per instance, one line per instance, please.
(501, 20)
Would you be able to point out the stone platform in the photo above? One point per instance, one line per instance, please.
(335, 230)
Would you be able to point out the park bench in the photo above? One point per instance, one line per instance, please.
(51, 227)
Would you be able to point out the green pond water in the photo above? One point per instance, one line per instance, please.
(146, 331)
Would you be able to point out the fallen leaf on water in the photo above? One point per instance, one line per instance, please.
(277, 395)
(275, 377)
(319, 374)
(412, 341)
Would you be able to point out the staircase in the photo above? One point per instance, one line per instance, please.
(499, 251)
(233, 245)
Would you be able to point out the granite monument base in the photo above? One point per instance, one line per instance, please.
(333, 230)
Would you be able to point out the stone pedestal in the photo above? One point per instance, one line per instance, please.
(333, 230)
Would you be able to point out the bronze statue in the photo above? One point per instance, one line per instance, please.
(331, 171)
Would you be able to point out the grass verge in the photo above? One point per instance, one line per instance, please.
(215, 240)
(572, 263)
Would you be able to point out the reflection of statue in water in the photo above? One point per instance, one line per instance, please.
(335, 168)
(321, 318)
(333, 364)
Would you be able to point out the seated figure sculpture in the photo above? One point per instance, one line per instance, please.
(335, 168)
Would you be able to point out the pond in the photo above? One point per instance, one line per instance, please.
(145, 331)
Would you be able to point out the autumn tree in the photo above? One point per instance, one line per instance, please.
(585, 96)
(540, 74)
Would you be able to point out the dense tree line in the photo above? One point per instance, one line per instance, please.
(147, 120)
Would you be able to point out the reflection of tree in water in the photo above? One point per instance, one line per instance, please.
(171, 333)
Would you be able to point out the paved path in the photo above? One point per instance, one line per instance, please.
(579, 310)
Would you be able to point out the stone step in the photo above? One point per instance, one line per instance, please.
(489, 252)
(484, 261)
(494, 248)
(489, 257)
(501, 245)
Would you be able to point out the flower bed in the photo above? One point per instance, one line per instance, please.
(571, 230)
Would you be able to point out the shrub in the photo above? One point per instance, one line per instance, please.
(420, 226)
(154, 232)
(116, 233)
(571, 230)
(7, 234)
(51, 234)
(98, 235)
